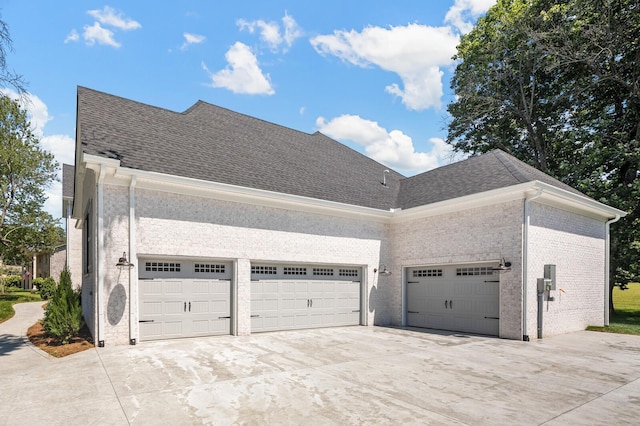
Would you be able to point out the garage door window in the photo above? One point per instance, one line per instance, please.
(291, 270)
(162, 267)
(264, 270)
(483, 270)
(209, 268)
(323, 272)
(427, 273)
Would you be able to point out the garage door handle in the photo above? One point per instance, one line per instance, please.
(413, 282)
(450, 304)
(189, 306)
(185, 306)
(255, 316)
(492, 318)
(145, 321)
(446, 304)
(358, 310)
(224, 317)
(413, 312)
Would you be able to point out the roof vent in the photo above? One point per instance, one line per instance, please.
(384, 177)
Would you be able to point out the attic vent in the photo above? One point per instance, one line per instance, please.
(384, 177)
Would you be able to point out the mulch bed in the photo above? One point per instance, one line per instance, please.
(53, 347)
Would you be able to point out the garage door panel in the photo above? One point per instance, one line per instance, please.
(457, 298)
(305, 302)
(171, 307)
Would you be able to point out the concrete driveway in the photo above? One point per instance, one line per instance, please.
(350, 375)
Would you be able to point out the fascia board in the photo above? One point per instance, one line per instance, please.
(195, 187)
(577, 203)
(481, 199)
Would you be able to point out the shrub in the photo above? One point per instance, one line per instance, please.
(13, 281)
(63, 314)
(46, 287)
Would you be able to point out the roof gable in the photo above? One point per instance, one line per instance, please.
(486, 172)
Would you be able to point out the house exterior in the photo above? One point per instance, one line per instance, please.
(212, 222)
(73, 243)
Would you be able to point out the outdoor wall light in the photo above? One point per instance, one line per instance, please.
(383, 271)
(123, 263)
(503, 266)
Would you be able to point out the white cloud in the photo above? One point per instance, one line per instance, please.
(113, 18)
(394, 149)
(73, 36)
(61, 146)
(243, 73)
(192, 39)
(96, 34)
(463, 13)
(270, 31)
(414, 52)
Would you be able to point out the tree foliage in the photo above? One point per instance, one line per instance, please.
(25, 171)
(63, 314)
(557, 85)
(8, 77)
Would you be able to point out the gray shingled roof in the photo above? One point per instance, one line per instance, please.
(68, 179)
(215, 144)
(493, 170)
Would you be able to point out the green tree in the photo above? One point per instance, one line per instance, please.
(63, 314)
(8, 77)
(25, 171)
(557, 85)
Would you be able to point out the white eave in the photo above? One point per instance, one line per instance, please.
(551, 195)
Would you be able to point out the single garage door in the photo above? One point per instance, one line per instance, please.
(184, 299)
(285, 297)
(458, 298)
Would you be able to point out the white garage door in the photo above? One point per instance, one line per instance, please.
(287, 297)
(184, 299)
(457, 298)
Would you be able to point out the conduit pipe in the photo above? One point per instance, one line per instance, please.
(525, 261)
(607, 266)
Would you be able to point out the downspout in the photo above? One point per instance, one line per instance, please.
(133, 276)
(525, 262)
(607, 266)
(100, 256)
(68, 237)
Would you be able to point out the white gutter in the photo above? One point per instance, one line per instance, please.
(100, 267)
(607, 260)
(68, 255)
(133, 275)
(525, 261)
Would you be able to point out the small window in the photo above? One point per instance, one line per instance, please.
(427, 273)
(348, 272)
(162, 267)
(209, 268)
(324, 272)
(481, 270)
(291, 270)
(264, 270)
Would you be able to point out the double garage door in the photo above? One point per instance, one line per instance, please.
(184, 299)
(285, 297)
(458, 298)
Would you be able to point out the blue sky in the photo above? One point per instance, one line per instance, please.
(373, 75)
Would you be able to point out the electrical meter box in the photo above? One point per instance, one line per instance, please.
(550, 274)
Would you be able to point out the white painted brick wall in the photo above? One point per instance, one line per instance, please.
(575, 244)
(474, 235)
(177, 225)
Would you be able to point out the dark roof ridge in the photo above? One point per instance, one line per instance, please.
(130, 100)
(506, 160)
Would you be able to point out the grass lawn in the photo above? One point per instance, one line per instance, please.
(13, 296)
(627, 317)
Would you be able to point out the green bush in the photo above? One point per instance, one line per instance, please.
(13, 281)
(63, 314)
(46, 287)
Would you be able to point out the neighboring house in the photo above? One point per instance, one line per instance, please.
(73, 252)
(234, 225)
